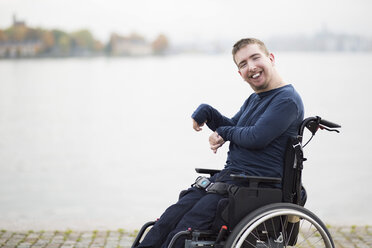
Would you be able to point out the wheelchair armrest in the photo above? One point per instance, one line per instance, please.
(207, 171)
(254, 181)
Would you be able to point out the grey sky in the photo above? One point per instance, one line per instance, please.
(193, 19)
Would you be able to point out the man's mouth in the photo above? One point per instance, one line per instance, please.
(254, 76)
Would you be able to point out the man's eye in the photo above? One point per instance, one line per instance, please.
(242, 66)
(256, 57)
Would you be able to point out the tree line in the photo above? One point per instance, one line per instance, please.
(44, 43)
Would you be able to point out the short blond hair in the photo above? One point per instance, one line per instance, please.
(248, 41)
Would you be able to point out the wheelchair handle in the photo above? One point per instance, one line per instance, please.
(328, 124)
(314, 123)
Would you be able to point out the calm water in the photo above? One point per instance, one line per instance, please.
(107, 143)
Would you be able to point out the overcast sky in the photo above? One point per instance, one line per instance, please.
(193, 19)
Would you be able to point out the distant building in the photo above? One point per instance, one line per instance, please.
(20, 49)
(17, 23)
(133, 45)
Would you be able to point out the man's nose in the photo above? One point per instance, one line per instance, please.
(251, 67)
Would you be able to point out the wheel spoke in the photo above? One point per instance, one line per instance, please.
(272, 223)
(308, 237)
(290, 235)
(281, 225)
(246, 241)
(267, 232)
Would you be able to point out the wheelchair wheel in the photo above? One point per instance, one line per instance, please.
(280, 225)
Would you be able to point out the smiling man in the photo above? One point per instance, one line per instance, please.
(256, 65)
(257, 133)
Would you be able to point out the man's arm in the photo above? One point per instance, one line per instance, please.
(215, 141)
(197, 127)
(276, 120)
(214, 119)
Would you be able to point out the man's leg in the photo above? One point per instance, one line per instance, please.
(170, 218)
(200, 217)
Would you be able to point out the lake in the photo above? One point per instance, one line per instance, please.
(107, 143)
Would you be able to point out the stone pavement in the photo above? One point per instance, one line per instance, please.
(344, 237)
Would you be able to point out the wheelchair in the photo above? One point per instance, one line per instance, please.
(265, 217)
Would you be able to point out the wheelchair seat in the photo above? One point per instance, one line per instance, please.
(260, 215)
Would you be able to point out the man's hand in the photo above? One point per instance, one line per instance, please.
(196, 126)
(215, 141)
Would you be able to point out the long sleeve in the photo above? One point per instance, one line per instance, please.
(259, 131)
(271, 124)
(213, 118)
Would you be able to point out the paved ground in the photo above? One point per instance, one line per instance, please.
(344, 237)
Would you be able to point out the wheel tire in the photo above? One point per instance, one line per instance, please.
(280, 225)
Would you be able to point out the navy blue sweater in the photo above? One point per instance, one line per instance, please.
(259, 132)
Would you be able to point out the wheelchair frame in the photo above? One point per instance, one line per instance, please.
(266, 217)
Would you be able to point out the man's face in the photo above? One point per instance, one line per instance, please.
(255, 67)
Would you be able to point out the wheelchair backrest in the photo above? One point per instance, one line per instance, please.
(293, 164)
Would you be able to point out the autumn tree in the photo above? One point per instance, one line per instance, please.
(160, 44)
(3, 36)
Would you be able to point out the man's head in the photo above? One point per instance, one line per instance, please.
(256, 65)
(248, 41)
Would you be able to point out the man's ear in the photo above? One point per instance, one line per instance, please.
(272, 58)
(240, 73)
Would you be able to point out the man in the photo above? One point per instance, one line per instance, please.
(257, 133)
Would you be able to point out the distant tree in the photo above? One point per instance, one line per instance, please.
(34, 34)
(17, 33)
(64, 45)
(62, 42)
(3, 36)
(160, 44)
(57, 34)
(83, 39)
(48, 40)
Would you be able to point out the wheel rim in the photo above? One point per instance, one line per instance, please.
(312, 233)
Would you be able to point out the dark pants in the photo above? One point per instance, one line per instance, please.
(195, 209)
